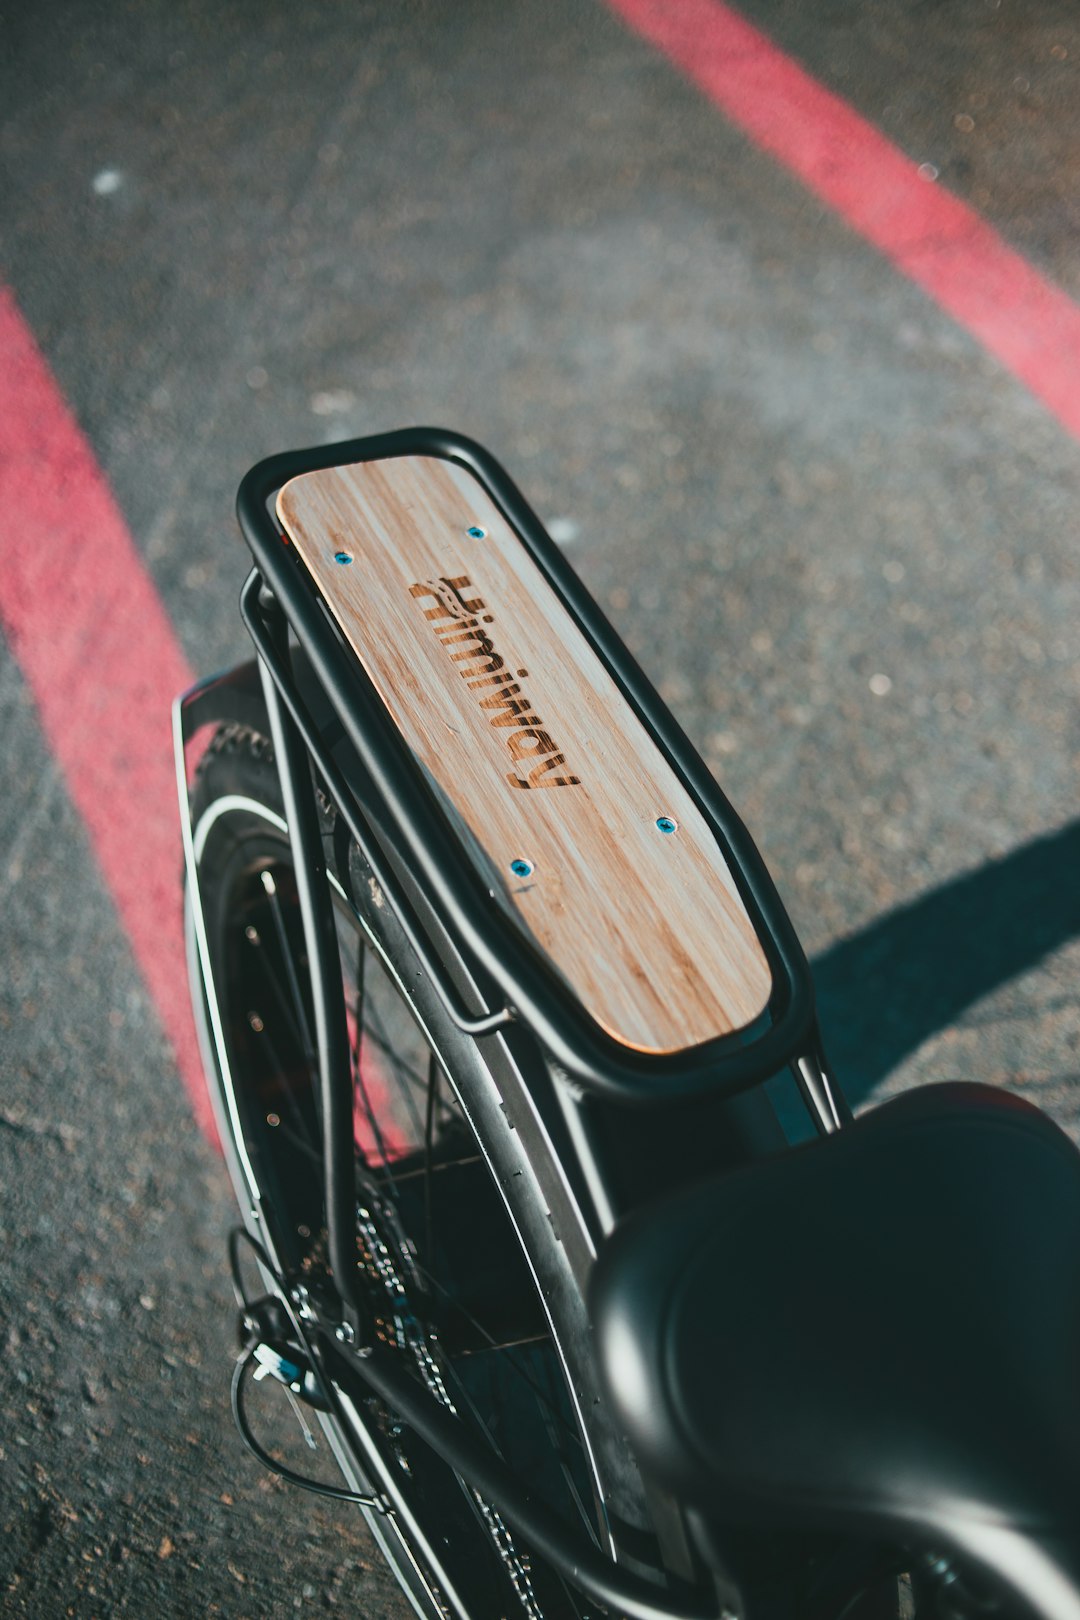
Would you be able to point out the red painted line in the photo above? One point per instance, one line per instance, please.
(97, 650)
(1028, 324)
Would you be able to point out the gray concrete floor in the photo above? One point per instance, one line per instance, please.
(780, 468)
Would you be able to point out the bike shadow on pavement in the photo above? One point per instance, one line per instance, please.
(885, 990)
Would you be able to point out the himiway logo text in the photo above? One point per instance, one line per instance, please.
(459, 622)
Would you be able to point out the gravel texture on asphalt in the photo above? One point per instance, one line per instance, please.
(840, 539)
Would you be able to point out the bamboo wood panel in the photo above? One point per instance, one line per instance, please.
(532, 748)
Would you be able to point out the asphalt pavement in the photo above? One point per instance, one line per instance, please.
(836, 531)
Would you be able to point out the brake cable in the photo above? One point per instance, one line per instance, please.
(285, 1372)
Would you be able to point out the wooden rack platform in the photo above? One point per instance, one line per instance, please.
(571, 813)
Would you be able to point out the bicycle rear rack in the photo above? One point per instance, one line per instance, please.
(396, 797)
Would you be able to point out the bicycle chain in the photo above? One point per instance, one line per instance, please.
(410, 1336)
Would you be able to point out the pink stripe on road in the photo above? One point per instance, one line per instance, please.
(1029, 325)
(101, 659)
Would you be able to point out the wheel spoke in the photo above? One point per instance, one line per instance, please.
(506, 1349)
(429, 1133)
(303, 1027)
(406, 1073)
(359, 1078)
(374, 1030)
(299, 1134)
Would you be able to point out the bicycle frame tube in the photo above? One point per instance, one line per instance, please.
(320, 933)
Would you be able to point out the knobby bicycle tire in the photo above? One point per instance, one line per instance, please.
(456, 1243)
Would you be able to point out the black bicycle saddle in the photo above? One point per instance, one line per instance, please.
(877, 1332)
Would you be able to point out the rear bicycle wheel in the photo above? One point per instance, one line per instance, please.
(455, 1247)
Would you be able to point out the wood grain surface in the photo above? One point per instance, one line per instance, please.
(532, 749)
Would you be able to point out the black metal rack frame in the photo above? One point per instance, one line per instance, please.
(401, 802)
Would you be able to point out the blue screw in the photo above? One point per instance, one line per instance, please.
(521, 869)
(342, 557)
(666, 825)
(476, 532)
